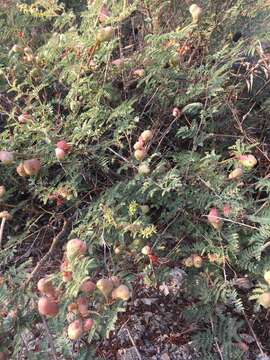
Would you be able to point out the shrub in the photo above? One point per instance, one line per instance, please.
(81, 84)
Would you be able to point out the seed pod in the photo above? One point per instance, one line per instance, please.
(16, 48)
(264, 300)
(105, 286)
(75, 330)
(67, 276)
(119, 63)
(212, 257)
(146, 135)
(188, 262)
(139, 72)
(248, 161)
(31, 167)
(103, 14)
(45, 286)
(64, 192)
(144, 169)
(267, 277)
(140, 154)
(117, 250)
(73, 307)
(213, 219)
(20, 170)
(105, 34)
(87, 324)
(2, 191)
(176, 112)
(146, 250)
(138, 145)
(23, 118)
(75, 247)
(47, 307)
(63, 145)
(27, 50)
(242, 346)
(60, 154)
(235, 174)
(88, 286)
(5, 215)
(115, 280)
(6, 157)
(82, 303)
(197, 261)
(196, 12)
(122, 292)
(226, 210)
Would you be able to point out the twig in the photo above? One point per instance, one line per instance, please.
(50, 339)
(216, 343)
(253, 334)
(133, 343)
(2, 231)
(236, 222)
(55, 242)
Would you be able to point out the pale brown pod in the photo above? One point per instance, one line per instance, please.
(75, 330)
(105, 286)
(31, 167)
(122, 292)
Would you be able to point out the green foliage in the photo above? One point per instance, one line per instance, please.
(73, 87)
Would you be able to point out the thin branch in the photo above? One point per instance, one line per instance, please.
(236, 222)
(55, 242)
(133, 343)
(2, 231)
(253, 334)
(50, 339)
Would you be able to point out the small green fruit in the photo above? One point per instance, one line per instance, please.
(105, 34)
(145, 209)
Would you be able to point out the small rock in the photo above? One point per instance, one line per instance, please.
(165, 357)
(128, 354)
(149, 301)
(247, 338)
(262, 357)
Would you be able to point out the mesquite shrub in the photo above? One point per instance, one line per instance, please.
(80, 84)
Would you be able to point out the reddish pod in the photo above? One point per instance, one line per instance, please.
(63, 145)
(213, 219)
(226, 210)
(31, 167)
(47, 307)
(76, 247)
(88, 286)
(87, 324)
